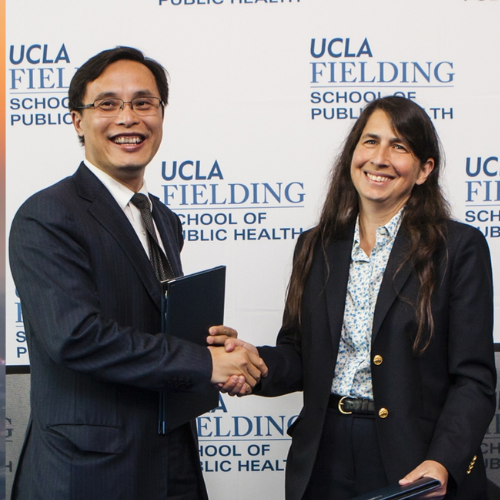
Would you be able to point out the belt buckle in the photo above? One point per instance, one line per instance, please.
(341, 402)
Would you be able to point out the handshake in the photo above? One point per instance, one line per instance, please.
(236, 365)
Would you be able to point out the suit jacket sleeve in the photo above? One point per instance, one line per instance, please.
(52, 257)
(470, 402)
(283, 361)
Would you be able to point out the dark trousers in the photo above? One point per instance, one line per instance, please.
(185, 481)
(348, 461)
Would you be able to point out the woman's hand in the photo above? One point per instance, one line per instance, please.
(433, 469)
(219, 334)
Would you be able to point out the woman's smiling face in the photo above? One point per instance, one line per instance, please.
(383, 168)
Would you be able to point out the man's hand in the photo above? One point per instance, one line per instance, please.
(219, 334)
(232, 386)
(227, 366)
(433, 469)
(227, 337)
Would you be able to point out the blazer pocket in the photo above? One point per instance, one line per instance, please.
(426, 429)
(96, 438)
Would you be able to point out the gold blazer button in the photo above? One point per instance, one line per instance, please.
(383, 413)
(377, 360)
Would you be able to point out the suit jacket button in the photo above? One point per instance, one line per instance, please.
(377, 360)
(383, 413)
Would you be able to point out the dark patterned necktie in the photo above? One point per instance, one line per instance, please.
(159, 260)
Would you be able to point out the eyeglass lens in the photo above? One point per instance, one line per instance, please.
(141, 105)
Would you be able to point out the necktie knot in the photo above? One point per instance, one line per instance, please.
(141, 201)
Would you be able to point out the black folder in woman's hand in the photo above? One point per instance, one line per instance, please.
(190, 306)
(398, 492)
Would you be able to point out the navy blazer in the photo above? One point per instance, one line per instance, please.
(91, 310)
(440, 403)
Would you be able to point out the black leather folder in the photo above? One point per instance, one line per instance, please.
(190, 306)
(397, 492)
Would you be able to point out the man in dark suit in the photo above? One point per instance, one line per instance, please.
(91, 305)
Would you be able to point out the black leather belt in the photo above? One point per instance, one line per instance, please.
(347, 405)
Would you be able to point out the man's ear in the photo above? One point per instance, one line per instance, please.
(77, 118)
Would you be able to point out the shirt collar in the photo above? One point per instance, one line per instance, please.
(388, 232)
(122, 194)
(393, 225)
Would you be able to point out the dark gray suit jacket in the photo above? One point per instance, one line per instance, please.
(91, 309)
(440, 403)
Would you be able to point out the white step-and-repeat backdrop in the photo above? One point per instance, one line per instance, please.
(262, 95)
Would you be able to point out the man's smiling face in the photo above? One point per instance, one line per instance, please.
(121, 145)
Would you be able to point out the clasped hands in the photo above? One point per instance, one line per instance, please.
(236, 365)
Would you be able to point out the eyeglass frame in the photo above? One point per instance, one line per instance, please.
(122, 107)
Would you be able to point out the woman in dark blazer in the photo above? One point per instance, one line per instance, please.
(388, 324)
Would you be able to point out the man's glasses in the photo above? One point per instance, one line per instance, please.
(142, 106)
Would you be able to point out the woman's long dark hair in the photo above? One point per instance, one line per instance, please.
(424, 217)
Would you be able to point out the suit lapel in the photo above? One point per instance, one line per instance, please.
(108, 213)
(392, 283)
(339, 259)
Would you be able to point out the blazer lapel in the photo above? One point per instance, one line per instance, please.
(339, 259)
(392, 283)
(108, 213)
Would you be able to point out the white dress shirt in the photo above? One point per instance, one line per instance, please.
(122, 194)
